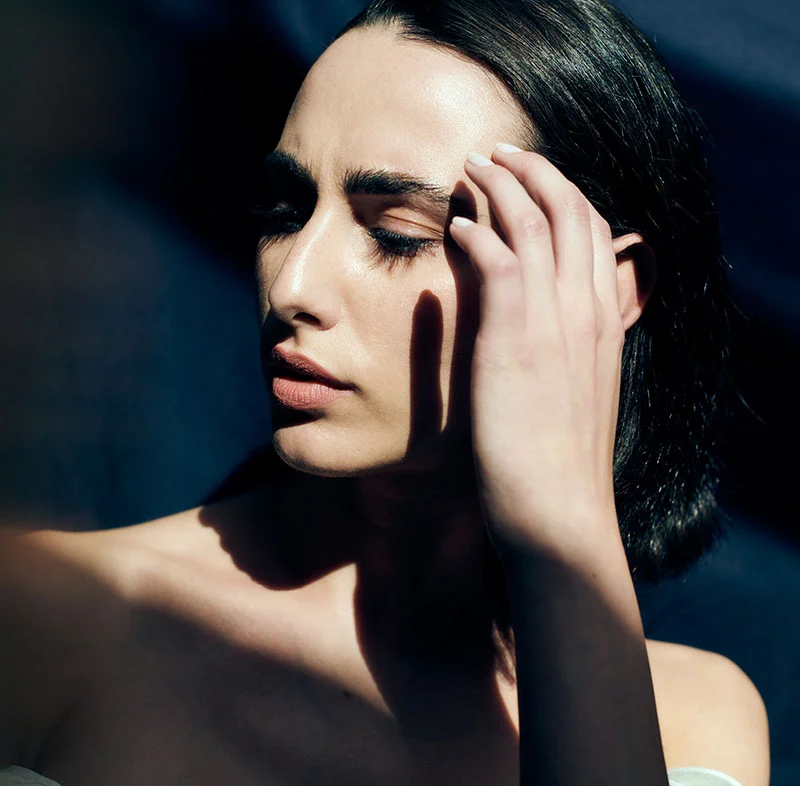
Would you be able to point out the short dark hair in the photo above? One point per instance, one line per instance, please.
(604, 109)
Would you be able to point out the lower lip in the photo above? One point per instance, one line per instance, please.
(301, 394)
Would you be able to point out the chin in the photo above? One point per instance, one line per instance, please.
(306, 448)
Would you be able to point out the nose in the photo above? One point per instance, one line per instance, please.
(297, 277)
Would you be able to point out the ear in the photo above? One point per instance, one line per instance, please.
(636, 275)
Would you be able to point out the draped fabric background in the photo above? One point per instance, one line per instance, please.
(130, 139)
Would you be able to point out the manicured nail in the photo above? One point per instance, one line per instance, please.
(506, 148)
(460, 221)
(479, 160)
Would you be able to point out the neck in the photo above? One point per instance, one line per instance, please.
(420, 559)
(412, 543)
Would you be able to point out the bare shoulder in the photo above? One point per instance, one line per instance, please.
(710, 713)
(55, 609)
(67, 601)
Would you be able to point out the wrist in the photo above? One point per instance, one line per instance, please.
(579, 541)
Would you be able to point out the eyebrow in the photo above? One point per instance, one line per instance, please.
(377, 182)
(279, 164)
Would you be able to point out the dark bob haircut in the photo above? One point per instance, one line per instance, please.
(604, 109)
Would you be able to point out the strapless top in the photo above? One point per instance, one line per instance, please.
(683, 776)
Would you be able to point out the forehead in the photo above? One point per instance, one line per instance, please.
(374, 99)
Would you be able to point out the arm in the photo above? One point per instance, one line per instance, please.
(584, 668)
(586, 702)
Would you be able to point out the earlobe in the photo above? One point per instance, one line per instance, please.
(636, 276)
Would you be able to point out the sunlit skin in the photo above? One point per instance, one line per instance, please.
(414, 110)
(402, 334)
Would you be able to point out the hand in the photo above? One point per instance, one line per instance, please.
(547, 360)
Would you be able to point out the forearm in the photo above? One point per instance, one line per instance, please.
(586, 704)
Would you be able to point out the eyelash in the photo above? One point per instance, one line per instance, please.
(391, 249)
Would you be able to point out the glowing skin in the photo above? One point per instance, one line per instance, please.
(400, 334)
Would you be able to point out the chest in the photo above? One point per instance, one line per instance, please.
(185, 705)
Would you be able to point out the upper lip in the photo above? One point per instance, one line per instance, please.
(283, 360)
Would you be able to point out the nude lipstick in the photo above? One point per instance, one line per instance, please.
(300, 383)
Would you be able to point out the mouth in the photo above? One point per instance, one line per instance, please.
(300, 383)
(293, 365)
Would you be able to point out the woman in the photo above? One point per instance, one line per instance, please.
(450, 327)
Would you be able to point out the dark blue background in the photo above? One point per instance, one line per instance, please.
(130, 141)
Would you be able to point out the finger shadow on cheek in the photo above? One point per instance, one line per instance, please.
(427, 330)
(467, 290)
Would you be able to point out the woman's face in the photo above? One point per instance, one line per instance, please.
(356, 269)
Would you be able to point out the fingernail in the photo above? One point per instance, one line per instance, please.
(506, 148)
(460, 221)
(479, 160)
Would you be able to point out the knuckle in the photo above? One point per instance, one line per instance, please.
(574, 203)
(501, 266)
(532, 225)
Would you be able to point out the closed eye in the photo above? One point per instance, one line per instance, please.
(389, 248)
(394, 248)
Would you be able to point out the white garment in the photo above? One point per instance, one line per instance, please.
(19, 776)
(684, 776)
(693, 776)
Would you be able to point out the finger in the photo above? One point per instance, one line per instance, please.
(605, 267)
(567, 211)
(524, 225)
(502, 300)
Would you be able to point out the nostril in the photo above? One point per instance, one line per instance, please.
(307, 319)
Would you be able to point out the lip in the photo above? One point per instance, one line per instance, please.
(305, 394)
(301, 383)
(283, 360)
